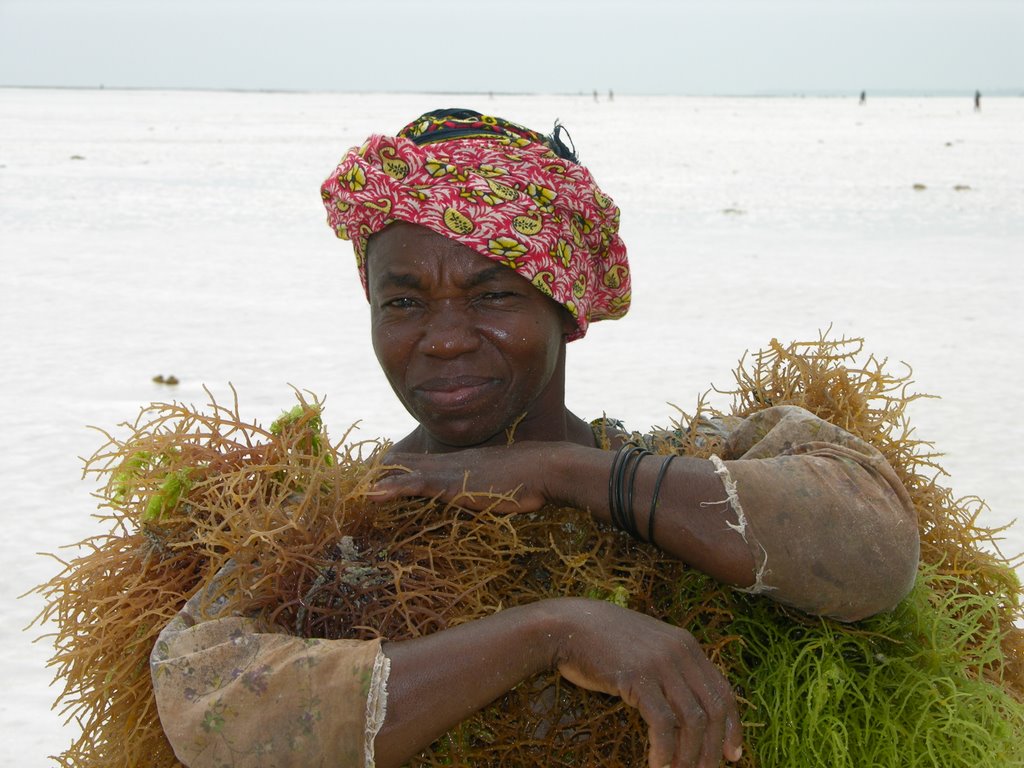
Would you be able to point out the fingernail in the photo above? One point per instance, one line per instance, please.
(380, 487)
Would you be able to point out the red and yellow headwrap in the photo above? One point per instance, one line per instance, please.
(498, 188)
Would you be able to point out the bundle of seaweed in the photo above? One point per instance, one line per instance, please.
(832, 379)
(110, 602)
(939, 681)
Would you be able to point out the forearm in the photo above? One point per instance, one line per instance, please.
(439, 680)
(693, 520)
(297, 700)
(826, 529)
(796, 508)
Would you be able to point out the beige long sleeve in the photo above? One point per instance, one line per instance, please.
(231, 693)
(831, 528)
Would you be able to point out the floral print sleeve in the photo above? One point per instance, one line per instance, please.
(231, 693)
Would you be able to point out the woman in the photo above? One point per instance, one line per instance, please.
(484, 248)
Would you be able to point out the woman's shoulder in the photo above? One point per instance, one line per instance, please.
(685, 435)
(724, 434)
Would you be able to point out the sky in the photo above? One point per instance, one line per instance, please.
(699, 47)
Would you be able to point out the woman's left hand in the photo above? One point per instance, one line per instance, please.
(475, 478)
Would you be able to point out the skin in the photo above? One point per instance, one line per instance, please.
(468, 345)
(473, 351)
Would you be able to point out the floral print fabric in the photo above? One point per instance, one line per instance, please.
(498, 190)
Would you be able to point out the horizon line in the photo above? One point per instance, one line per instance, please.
(1016, 92)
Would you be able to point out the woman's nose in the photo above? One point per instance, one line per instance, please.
(449, 333)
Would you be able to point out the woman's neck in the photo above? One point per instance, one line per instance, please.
(569, 428)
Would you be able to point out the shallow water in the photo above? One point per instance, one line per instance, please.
(146, 232)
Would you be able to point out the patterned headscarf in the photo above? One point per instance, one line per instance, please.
(510, 194)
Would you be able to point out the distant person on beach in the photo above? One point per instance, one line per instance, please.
(484, 249)
(863, 97)
(977, 101)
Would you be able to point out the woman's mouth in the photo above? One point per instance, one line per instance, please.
(455, 392)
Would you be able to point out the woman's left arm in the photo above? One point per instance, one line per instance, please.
(795, 507)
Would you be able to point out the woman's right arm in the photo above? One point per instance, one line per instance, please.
(230, 692)
(439, 680)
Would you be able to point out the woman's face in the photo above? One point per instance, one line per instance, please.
(469, 346)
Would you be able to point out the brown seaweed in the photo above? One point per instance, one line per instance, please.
(186, 490)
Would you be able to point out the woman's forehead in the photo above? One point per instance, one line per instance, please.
(403, 250)
(403, 234)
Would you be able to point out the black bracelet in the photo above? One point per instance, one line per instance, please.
(629, 515)
(620, 489)
(613, 485)
(654, 498)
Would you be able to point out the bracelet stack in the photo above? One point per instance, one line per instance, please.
(654, 497)
(621, 482)
(620, 487)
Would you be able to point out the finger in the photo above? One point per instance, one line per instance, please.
(662, 729)
(396, 459)
(733, 746)
(694, 726)
(712, 737)
(436, 486)
(398, 486)
(720, 702)
(723, 736)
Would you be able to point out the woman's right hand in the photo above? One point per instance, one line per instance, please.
(689, 707)
(440, 679)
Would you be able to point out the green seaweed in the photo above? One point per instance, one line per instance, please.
(905, 688)
(175, 485)
(126, 479)
(307, 418)
(618, 595)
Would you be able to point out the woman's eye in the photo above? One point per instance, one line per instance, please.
(497, 295)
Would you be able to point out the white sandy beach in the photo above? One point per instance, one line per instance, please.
(150, 232)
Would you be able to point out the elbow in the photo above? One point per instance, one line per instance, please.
(845, 577)
(833, 534)
(879, 576)
(889, 551)
(885, 598)
(904, 559)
